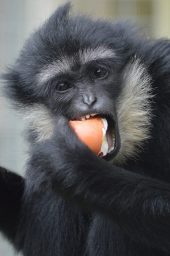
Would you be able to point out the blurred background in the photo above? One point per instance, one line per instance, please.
(18, 18)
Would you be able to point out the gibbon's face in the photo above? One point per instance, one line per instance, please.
(83, 84)
(77, 67)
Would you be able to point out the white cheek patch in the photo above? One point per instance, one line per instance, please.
(40, 121)
(134, 110)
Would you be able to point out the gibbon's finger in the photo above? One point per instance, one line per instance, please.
(64, 134)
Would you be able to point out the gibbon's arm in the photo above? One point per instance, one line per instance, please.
(140, 205)
(11, 191)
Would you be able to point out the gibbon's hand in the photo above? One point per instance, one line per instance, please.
(64, 155)
(65, 137)
(66, 158)
(69, 149)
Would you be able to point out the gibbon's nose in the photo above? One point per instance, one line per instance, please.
(89, 99)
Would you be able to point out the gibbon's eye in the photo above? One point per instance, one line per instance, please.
(63, 86)
(100, 73)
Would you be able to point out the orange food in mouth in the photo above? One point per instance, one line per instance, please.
(91, 132)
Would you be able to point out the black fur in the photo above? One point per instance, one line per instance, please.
(11, 190)
(74, 203)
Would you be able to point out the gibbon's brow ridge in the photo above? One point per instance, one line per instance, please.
(100, 52)
(65, 63)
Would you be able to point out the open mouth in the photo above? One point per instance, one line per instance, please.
(110, 144)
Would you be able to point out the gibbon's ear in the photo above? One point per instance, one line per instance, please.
(16, 90)
(12, 88)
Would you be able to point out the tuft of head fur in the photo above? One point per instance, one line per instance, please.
(134, 110)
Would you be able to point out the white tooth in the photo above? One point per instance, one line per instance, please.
(105, 123)
(93, 114)
(83, 118)
(104, 147)
(87, 116)
(111, 149)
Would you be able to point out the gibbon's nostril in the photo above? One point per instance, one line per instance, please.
(89, 99)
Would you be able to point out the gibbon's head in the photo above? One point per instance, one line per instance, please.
(79, 67)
